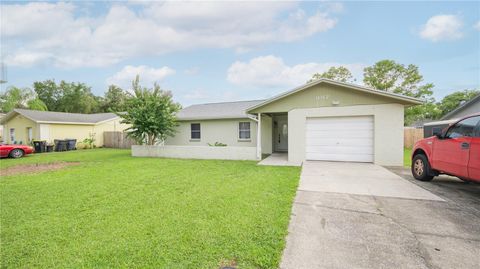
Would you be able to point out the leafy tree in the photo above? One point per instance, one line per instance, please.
(76, 98)
(115, 99)
(340, 73)
(37, 104)
(151, 114)
(67, 96)
(20, 98)
(388, 75)
(454, 100)
(49, 93)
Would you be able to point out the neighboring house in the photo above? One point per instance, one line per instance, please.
(23, 125)
(468, 108)
(1, 127)
(321, 120)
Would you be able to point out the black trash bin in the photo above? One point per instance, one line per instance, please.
(60, 145)
(39, 145)
(71, 144)
(49, 148)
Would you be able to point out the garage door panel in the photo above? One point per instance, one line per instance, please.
(339, 126)
(360, 142)
(341, 149)
(340, 133)
(340, 139)
(340, 157)
(347, 119)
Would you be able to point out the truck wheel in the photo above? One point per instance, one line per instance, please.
(16, 153)
(421, 168)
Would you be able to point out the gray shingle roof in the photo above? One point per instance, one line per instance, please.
(50, 116)
(227, 110)
(461, 107)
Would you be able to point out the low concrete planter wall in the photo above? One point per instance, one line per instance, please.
(195, 152)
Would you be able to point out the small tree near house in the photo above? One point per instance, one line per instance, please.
(151, 114)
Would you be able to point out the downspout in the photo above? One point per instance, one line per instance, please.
(259, 136)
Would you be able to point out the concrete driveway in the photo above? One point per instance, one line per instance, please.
(352, 215)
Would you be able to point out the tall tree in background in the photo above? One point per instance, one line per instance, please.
(49, 93)
(115, 99)
(20, 98)
(76, 98)
(454, 100)
(151, 114)
(67, 97)
(388, 75)
(340, 73)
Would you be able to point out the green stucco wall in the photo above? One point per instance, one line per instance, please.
(223, 131)
(324, 95)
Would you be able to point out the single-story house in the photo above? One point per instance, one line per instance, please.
(465, 109)
(1, 127)
(24, 125)
(321, 120)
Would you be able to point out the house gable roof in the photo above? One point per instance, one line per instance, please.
(396, 97)
(59, 117)
(462, 107)
(226, 110)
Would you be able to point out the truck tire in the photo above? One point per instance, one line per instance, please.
(421, 168)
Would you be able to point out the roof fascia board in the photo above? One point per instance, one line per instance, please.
(341, 84)
(66, 122)
(213, 118)
(103, 121)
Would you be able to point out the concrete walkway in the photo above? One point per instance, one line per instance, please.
(278, 159)
(354, 215)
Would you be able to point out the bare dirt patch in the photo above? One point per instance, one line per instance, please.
(35, 168)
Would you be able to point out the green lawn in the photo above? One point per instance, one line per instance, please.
(407, 155)
(113, 210)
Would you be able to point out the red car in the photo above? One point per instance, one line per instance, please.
(455, 151)
(15, 151)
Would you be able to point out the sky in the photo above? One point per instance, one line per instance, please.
(228, 51)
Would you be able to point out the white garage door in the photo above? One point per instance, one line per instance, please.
(348, 139)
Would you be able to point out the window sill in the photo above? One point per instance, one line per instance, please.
(244, 140)
(195, 140)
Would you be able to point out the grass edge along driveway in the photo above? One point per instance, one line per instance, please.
(114, 210)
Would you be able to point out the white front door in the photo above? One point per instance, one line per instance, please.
(348, 139)
(280, 133)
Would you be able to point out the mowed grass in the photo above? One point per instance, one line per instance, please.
(117, 211)
(407, 155)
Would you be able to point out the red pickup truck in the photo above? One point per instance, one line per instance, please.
(455, 151)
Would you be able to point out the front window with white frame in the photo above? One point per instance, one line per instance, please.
(244, 130)
(195, 131)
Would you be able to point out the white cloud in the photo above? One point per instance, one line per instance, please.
(192, 71)
(66, 36)
(271, 71)
(442, 27)
(477, 26)
(148, 75)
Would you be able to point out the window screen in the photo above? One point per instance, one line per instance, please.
(195, 131)
(244, 130)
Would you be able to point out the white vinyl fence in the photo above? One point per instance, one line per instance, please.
(195, 152)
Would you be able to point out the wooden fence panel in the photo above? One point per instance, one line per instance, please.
(117, 140)
(411, 135)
